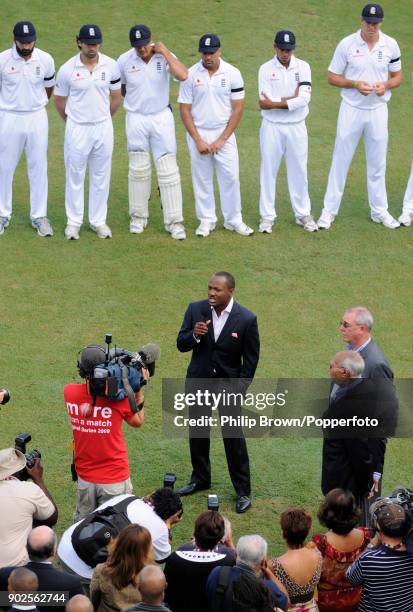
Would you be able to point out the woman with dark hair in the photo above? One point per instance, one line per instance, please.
(114, 584)
(299, 568)
(340, 547)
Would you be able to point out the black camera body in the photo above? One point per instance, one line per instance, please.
(20, 444)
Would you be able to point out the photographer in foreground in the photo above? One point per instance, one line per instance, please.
(22, 501)
(100, 454)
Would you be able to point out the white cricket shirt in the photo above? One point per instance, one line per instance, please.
(147, 85)
(353, 59)
(87, 92)
(276, 82)
(23, 82)
(211, 96)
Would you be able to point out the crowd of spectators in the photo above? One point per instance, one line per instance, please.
(347, 568)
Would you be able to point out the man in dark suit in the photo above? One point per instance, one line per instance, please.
(223, 337)
(41, 546)
(352, 457)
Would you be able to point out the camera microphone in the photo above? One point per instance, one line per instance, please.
(149, 353)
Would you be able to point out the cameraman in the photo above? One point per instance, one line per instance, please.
(21, 503)
(100, 453)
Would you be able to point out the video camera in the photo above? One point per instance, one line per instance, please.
(404, 497)
(119, 375)
(20, 445)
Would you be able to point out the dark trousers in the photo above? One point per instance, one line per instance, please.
(234, 443)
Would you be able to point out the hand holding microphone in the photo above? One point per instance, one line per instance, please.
(201, 327)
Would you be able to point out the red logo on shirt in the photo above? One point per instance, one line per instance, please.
(12, 67)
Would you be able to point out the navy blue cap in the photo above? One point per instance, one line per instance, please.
(284, 39)
(372, 13)
(209, 43)
(90, 34)
(139, 35)
(24, 32)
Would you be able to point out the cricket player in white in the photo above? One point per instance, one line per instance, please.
(87, 95)
(284, 90)
(26, 84)
(150, 126)
(211, 104)
(366, 65)
(406, 217)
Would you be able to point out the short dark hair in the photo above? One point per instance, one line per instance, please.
(392, 520)
(249, 593)
(209, 529)
(229, 279)
(339, 511)
(295, 524)
(41, 553)
(166, 502)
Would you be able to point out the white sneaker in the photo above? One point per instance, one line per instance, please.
(241, 228)
(103, 231)
(4, 222)
(204, 229)
(307, 222)
(176, 230)
(325, 220)
(72, 232)
(387, 220)
(406, 218)
(137, 224)
(43, 227)
(265, 226)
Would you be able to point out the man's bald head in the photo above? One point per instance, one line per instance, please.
(79, 603)
(22, 580)
(41, 543)
(152, 584)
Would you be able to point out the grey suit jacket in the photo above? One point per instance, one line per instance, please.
(376, 364)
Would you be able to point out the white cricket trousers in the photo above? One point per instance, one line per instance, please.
(352, 124)
(291, 141)
(93, 143)
(226, 165)
(28, 131)
(408, 196)
(154, 132)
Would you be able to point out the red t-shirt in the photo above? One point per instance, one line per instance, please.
(101, 455)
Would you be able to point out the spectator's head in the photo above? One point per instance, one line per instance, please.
(295, 526)
(79, 603)
(345, 366)
(356, 325)
(12, 461)
(22, 580)
(152, 584)
(250, 595)
(252, 550)
(209, 529)
(91, 356)
(392, 521)
(339, 511)
(167, 505)
(128, 554)
(41, 544)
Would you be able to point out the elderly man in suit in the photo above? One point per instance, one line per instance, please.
(355, 328)
(223, 337)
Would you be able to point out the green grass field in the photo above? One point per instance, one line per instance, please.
(56, 296)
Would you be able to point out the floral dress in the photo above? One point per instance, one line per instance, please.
(334, 590)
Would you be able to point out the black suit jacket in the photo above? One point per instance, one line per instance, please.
(50, 579)
(349, 460)
(234, 355)
(375, 363)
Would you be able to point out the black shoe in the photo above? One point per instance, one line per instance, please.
(193, 487)
(243, 503)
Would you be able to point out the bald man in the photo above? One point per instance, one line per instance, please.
(41, 548)
(152, 585)
(22, 580)
(79, 603)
